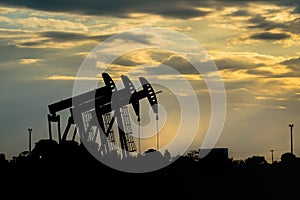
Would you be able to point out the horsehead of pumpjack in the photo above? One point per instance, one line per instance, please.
(129, 95)
(101, 101)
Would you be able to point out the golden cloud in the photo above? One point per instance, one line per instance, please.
(69, 78)
(28, 61)
(247, 57)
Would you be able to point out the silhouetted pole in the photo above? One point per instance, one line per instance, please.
(291, 127)
(157, 134)
(30, 131)
(139, 131)
(272, 155)
(157, 129)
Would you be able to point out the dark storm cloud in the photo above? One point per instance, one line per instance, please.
(183, 9)
(168, 8)
(270, 36)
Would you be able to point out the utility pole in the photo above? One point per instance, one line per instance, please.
(30, 131)
(139, 131)
(157, 134)
(272, 155)
(291, 127)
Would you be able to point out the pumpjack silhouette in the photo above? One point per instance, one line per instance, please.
(94, 113)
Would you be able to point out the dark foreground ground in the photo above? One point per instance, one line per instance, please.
(81, 176)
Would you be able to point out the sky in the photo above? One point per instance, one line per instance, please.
(254, 44)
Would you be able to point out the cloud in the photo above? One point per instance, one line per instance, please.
(70, 78)
(270, 21)
(168, 8)
(284, 84)
(243, 60)
(56, 39)
(12, 54)
(34, 22)
(180, 64)
(269, 98)
(158, 58)
(5, 10)
(283, 20)
(293, 63)
(294, 26)
(235, 63)
(28, 61)
(15, 33)
(261, 22)
(62, 36)
(43, 24)
(142, 38)
(239, 13)
(295, 4)
(264, 73)
(270, 36)
(42, 43)
(297, 8)
(135, 58)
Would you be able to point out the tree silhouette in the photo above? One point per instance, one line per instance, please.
(287, 157)
(256, 161)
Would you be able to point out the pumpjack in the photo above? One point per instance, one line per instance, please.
(95, 112)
